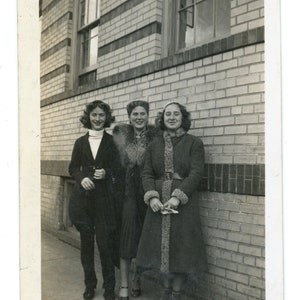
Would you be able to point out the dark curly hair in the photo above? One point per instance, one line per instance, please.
(85, 118)
(133, 104)
(186, 117)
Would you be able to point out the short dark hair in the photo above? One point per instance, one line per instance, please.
(186, 117)
(85, 118)
(133, 104)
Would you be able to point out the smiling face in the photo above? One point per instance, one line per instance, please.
(139, 118)
(97, 118)
(172, 117)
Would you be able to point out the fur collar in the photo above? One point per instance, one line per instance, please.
(132, 149)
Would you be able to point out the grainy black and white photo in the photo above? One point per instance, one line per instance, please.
(152, 136)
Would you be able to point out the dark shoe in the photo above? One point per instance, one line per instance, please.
(124, 297)
(89, 293)
(176, 295)
(136, 291)
(166, 294)
(109, 295)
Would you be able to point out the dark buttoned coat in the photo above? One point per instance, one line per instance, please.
(104, 201)
(175, 246)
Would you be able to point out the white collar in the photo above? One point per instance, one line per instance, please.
(96, 133)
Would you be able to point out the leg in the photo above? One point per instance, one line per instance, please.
(124, 280)
(82, 216)
(178, 281)
(87, 259)
(136, 282)
(105, 246)
(167, 289)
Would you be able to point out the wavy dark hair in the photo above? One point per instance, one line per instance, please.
(85, 118)
(186, 117)
(133, 104)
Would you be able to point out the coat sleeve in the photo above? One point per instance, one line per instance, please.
(192, 181)
(75, 165)
(148, 178)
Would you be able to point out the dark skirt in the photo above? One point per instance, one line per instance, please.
(133, 214)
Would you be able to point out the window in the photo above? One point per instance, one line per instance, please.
(196, 22)
(89, 14)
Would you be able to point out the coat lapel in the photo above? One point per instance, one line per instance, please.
(87, 148)
(103, 146)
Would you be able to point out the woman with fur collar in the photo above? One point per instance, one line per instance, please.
(171, 241)
(132, 140)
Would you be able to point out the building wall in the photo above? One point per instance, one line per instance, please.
(56, 34)
(221, 84)
(124, 40)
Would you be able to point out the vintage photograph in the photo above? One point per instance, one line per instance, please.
(152, 140)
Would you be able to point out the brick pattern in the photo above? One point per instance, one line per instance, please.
(233, 229)
(107, 6)
(233, 42)
(61, 70)
(64, 43)
(220, 91)
(111, 12)
(50, 6)
(220, 83)
(56, 36)
(235, 179)
(51, 204)
(147, 30)
(129, 39)
(246, 15)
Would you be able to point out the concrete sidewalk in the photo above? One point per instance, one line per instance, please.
(62, 275)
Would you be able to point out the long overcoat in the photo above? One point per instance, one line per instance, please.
(173, 243)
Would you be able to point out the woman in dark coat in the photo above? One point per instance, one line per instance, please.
(132, 141)
(95, 167)
(171, 240)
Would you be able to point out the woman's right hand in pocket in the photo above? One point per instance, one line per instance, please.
(155, 204)
(87, 184)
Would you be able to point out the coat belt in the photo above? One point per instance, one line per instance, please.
(170, 176)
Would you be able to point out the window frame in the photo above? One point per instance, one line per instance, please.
(171, 44)
(82, 28)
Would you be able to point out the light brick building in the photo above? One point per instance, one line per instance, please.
(206, 54)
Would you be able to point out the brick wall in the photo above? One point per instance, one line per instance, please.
(129, 38)
(246, 14)
(233, 228)
(221, 84)
(51, 204)
(225, 94)
(56, 33)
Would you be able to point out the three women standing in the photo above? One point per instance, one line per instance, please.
(173, 168)
(93, 204)
(132, 140)
(163, 174)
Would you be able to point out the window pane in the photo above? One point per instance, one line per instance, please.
(94, 47)
(92, 10)
(186, 27)
(82, 13)
(89, 11)
(185, 3)
(222, 18)
(204, 21)
(89, 48)
(85, 49)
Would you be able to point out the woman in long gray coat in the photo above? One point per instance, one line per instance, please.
(171, 240)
